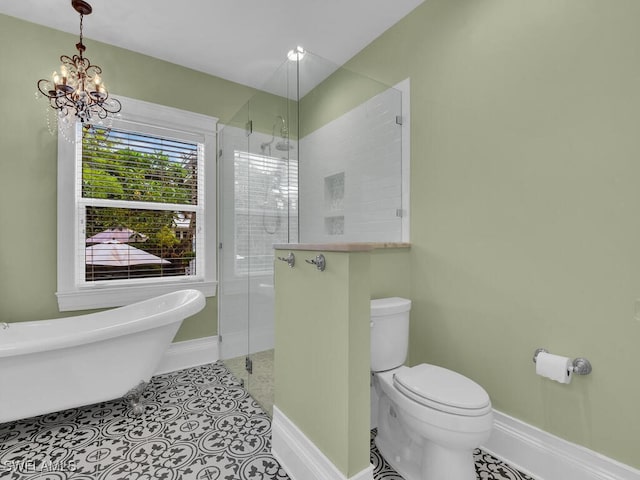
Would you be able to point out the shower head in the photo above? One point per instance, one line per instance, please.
(284, 146)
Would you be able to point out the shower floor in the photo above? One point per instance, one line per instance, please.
(260, 382)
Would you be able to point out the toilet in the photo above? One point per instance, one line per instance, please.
(429, 419)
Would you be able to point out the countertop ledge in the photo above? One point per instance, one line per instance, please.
(341, 247)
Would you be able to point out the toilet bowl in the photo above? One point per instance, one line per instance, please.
(430, 419)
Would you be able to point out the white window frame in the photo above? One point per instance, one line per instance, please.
(74, 293)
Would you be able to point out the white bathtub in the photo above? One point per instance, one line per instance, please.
(52, 365)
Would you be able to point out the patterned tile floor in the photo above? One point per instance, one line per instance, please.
(488, 467)
(199, 424)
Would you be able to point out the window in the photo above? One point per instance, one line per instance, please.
(265, 196)
(136, 207)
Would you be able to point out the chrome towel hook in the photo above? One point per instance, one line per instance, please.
(290, 259)
(320, 262)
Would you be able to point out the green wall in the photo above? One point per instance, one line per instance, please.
(338, 94)
(322, 353)
(28, 160)
(525, 202)
(390, 269)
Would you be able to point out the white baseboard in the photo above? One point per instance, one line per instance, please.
(300, 458)
(547, 457)
(189, 353)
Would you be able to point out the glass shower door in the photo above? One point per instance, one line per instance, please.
(233, 289)
(257, 200)
(272, 183)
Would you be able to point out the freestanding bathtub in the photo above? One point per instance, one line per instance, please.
(52, 365)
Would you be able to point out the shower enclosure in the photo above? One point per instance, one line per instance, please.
(314, 156)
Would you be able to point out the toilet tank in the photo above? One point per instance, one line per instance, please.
(389, 332)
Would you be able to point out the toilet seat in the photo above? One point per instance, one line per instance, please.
(444, 390)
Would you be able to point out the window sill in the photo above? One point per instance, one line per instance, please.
(101, 296)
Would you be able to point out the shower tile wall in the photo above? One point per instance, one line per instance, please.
(350, 179)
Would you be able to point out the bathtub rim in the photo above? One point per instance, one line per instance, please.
(188, 302)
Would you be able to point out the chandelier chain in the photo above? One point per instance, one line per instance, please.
(81, 19)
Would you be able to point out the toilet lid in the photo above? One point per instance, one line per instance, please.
(443, 390)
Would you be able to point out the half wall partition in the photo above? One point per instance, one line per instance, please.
(315, 156)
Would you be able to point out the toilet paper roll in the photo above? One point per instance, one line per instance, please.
(554, 367)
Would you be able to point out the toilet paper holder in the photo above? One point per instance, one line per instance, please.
(580, 365)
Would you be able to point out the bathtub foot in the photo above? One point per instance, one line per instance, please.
(137, 409)
(134, 397)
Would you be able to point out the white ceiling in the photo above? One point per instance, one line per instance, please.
(241, 40)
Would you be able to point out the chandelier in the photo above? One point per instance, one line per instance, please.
(77, 90)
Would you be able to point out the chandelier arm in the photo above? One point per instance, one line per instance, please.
(102, 113)
(62, 102)
(114, 107)
(47, 91)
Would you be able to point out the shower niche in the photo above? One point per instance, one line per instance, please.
(334, 204)
(314, 156)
